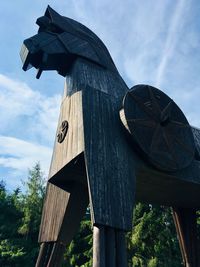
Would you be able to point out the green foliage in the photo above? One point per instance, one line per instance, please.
(32, 203)
(79, 253)
(20, 216)
(153, 241)
(10, 254)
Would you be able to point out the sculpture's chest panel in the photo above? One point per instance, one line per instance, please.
(69, 141)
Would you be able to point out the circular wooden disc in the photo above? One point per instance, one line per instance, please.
(158, 127)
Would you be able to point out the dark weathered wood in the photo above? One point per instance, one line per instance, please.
(53, 213)
(109, 247)
(95, 157)
(44, 254)
(99, 259)
(59, 221)
(186, 226)
(111, 181)
(121, 255)
(158, 127)
(180, 189)
(73, 144)
(56, 257)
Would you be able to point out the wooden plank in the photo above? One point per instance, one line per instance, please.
(108, 160)
(44, 254)
(57, 201)
(110, 247)
(121, 254)
(62, 213)
(56, 257)
(99, 246)
(73, 144)
(186, 226)
(53, 213)
(183, 187)
(91, 105)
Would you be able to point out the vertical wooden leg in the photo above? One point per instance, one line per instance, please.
(50, 255)
(109, 248)
(56, 257)
(99, 246)
(44, 254)
(121, 251)
(185, 220)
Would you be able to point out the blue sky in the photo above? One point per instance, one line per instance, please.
(153, 42)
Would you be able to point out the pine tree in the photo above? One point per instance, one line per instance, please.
(79, 252)
(153, 241)
(11, 250)
(32, 208)
(32, 202)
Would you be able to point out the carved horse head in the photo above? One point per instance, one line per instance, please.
(55, 46)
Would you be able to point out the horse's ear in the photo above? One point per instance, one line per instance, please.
(52, 15)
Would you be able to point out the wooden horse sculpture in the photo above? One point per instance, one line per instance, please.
(113, 146)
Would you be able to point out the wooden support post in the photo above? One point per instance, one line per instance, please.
(109, 248)
(99, 246)
(186, 227)
(121, 255)
(44, 254)
(56, 257)
(50, 255)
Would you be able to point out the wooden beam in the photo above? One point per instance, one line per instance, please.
(121, 254)
(99, 246)
(109, 247)
(44, 254)
(56, 257)
(186, 227)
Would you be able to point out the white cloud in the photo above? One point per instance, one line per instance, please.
(155, 43)
(175, 28)
(16, 98)
(20, 150)
(27, 113)
(18, 156)
(28, 123)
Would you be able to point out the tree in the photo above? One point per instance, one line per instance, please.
(32, 208)
(11, 251)
(32, 202)
(20, 216)
(79, 252)
(153, 241)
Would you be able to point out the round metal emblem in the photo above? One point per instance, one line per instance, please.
(62, 131)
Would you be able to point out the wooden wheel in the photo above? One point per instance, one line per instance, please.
(158, 127)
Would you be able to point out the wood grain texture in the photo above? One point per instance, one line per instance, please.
(53, 213)
(62, 213)
(111, 180)
(186, 226)
(158, 127)
(73, 144)
(111, 162)
(58, 202)
(99, 257)
(107, 156)
(109, 247)
(96, 158)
